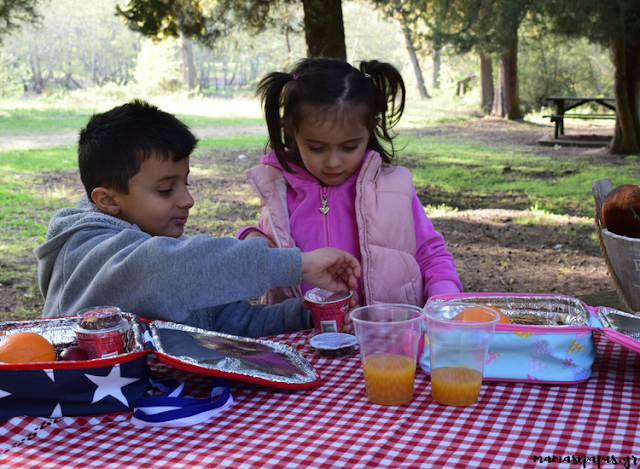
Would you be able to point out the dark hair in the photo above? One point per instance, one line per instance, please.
(331, 88)
(114, 144)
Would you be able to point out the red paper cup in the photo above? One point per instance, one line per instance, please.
(105, 338)
(327, 309)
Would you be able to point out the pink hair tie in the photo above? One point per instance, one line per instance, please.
(295, 77)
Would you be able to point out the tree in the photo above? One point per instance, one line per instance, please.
(15, 12)
(486, 82)
(488, 27)
(206, 20)
(76, 43)
(407, 15)
(180, 19)
(324, 28)
(614, 24)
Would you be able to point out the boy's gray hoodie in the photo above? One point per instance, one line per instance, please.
(91, 258)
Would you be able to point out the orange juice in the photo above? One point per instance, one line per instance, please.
(389, 378)
(455, 385)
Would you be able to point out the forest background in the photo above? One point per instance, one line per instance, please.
(516, 216)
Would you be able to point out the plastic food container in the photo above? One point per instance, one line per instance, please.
(333, 344)
(100, 331)
(327, 309)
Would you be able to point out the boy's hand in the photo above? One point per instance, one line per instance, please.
(331, 269)
(257, 234)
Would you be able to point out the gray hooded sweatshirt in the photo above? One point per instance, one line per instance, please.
(91, 258)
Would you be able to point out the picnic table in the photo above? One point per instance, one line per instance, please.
(333, 425)
(562, 104)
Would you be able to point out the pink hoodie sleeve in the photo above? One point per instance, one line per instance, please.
(436, 263)
(243, 231)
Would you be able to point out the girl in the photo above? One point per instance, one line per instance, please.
(328, 181)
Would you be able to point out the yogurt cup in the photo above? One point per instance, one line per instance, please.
(100, 331)
(327, 309)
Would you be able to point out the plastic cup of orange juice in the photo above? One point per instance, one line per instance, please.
(459, 335)
(388, 335)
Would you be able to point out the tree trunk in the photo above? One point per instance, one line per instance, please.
(408, 40)
(189, 76)
(486, 82)
(324, 29)
(437, 61)
(507, 102)
(626, 59)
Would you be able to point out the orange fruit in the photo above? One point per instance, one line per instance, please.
(26, 347)
(475, 314)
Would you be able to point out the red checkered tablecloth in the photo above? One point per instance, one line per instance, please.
(334, 425)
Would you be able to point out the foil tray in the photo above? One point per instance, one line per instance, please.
(59, 332)
(628, 324)
(535, 310)
(243, 356)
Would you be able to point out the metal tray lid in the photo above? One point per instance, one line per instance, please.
(533, 310)
(200, 351)
(246, 359)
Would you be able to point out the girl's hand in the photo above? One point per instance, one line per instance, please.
(331, 269)
(347, 322)
(257, 234)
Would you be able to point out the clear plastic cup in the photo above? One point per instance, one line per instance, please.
(459, 335)
(388, 335)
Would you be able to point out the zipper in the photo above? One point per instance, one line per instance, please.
(325, 208)
(366, 279)
(325, 195)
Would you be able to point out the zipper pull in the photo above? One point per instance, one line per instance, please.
(324, 209)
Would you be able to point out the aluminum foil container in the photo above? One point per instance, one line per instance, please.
(535, 310)
(59, 331)
(253, 358)
(620, 321)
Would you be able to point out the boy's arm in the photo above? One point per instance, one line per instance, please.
(242, 318)
(167, 278)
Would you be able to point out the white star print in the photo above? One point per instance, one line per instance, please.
(57, 412)
(4, 393)
(110, 385)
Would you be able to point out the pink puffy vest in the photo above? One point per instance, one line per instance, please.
(390, 272)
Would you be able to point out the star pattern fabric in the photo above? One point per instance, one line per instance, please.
(74, 391)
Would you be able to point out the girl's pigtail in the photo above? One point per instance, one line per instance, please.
(270, 90)
(390, 98)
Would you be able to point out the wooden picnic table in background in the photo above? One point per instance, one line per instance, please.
(563, 104)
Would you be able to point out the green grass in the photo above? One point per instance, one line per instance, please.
(16, 162)
(24, 210)
(454, 165)
(193, 120)
(248, 141)
(553, 184)
(41, 121)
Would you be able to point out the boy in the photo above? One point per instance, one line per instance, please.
(123, 243)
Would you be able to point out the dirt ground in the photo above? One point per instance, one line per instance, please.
(494, 249)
